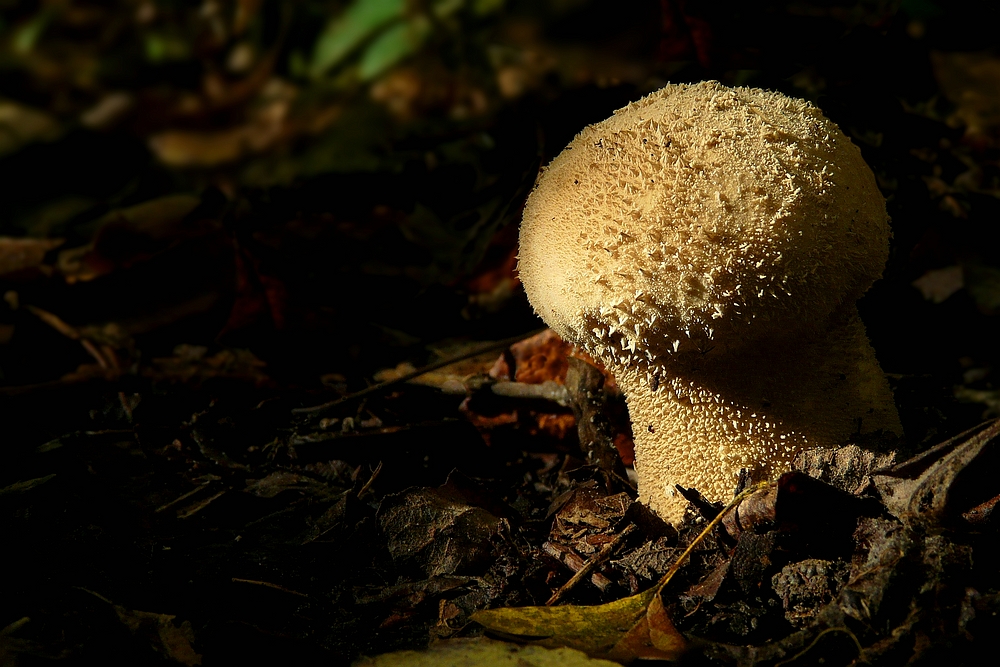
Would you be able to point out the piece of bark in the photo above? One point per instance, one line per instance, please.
(590, 407)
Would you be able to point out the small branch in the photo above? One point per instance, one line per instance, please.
(371, 479)
(268, 584)
(590, 565)
(388, 384)
(847, 631)
(546, 391)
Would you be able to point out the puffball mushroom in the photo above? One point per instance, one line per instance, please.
(708, 245)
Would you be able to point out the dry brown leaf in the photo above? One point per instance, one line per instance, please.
(971, 81)
(21, 125)
(537, 359)
(128, 235)
(170, 640)
(939, 284)
(21, 254)
(653, 637)
(268, 124)
(940, 483)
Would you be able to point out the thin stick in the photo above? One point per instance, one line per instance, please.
(711, 524)
(857, 645)
(371, 479)
(182, 497)
(382, 386)
(268, 584)
(589, 566)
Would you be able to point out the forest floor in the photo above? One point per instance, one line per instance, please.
(271, 390)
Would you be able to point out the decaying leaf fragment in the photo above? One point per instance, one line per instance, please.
(441, 531)
(946, 483)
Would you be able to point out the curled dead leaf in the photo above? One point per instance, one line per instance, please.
(945, 482)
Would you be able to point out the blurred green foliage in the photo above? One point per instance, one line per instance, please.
(386, 32)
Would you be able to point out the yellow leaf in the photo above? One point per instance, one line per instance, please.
(595, 630)
(484, 652)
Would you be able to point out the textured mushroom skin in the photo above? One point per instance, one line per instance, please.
(708, 245)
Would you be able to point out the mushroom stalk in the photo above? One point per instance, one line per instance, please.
(711, 416)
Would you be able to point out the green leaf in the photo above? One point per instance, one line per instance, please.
(348, 31)
(27, 36)
(394, 44)
(486, 7)
(161, 48)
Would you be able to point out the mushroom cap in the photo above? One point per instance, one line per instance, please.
(700, 216)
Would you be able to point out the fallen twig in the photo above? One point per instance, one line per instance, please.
(382, 386)
(589, 566)
(268, 584)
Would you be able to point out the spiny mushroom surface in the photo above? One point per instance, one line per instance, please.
(708, 244)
